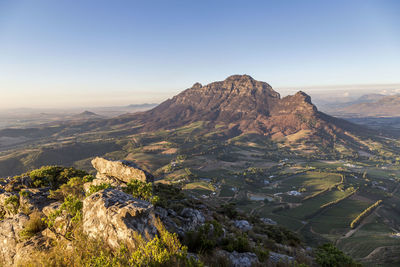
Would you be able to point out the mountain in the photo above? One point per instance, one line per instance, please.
(242, 104)
(369, 98)
(86, 115)
(371, 106)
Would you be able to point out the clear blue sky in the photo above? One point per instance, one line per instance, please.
(59, 53)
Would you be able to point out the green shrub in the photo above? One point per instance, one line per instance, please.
(167, 194)
(205, 238)
(73, 207)
(33, 226)
(96, 188)
(239, 243)
(12, 204)
(229, 210)
(262, 253)
(88, 178)
(24, 193)
(73, 187)
(54, 176)
(328, 255)
(280, 235)
(139, 189)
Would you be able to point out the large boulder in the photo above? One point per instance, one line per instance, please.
(191, 219)
(121, 170)
(117, 217)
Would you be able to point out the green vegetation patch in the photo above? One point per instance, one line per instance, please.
(312, 182)
(311, 206)
(337, 219)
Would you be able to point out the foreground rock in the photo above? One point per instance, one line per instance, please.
(9, 236)
(115, 217)
(121, 170)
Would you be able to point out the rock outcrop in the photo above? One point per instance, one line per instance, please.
(123, 170)
(116, 217)
(9, 236)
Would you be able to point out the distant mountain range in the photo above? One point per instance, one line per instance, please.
(371, 105)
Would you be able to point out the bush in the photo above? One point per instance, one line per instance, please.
(33, 226)
(239, 243)
(205, 238)
(328, 255)
(96, 188)
(229, 210)
(24, 193)
(139, 189)
(73, 187)
(54, 176)
(12, 204)
(167, 194)
(163, 250)
(72, 206)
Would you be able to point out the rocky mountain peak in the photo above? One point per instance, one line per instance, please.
(243, 104)
(239, 77)
(304, 96)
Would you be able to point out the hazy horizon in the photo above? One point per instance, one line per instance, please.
(120, 99)
(97, 53)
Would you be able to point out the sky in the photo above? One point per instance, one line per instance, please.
(100, 53)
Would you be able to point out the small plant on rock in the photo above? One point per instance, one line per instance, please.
(72, 208)
(33, 226)
(96, 188)
(139, 189)
(12, 204)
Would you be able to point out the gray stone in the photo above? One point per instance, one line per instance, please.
(9, 236)
(237, 259)
(268, 221)
(36, 199)
(117, 217)
(121, 170)
(6, 211)
(243, 225)
(277, 257)
(191, 218)
(51, 208)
